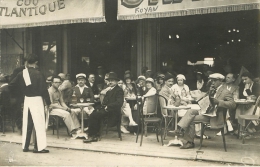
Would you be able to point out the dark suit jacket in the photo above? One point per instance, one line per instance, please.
(114, 100)
(87, 93)
(255, 91)
(5, 97)
(94, 87)
(17, 93)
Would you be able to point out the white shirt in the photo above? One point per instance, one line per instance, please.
(81, 89)
(200, 84)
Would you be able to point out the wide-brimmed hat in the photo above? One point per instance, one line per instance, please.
(180, 76)
(149, 80)
(127, 75)
(112, 76)
(81, 76)
(127, 72)
(216, 76)
(141, 77)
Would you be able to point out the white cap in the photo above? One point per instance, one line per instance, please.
(81, 75)
(141, 77)
(216, 76)
(181, 77)
(150, 80)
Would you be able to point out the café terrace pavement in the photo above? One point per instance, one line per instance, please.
(212, 150)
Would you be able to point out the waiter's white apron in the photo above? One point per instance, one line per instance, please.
(35, 104)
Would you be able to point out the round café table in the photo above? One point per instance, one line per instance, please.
(175, 109)
(81, 106)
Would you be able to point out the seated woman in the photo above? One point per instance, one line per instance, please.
(140, 85)
(250, 91)
(150, 91)
(129, 86)
(179, 88)
(125, 109)
(159, 82)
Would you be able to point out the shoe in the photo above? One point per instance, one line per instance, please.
(91, 139)
(251, 130)
(187, 145)
(86, 129)
(132, 123)
(78, 131)
(42, 151)
(219, 133)
(123, 130)
(26, 150)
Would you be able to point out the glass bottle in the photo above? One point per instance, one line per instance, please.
(74, 98)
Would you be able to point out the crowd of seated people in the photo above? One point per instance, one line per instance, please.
(176, 89)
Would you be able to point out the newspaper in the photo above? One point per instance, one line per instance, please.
(197, 94)
(207, 108)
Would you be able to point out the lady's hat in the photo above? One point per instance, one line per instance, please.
(168, 76)
(180, 76)
(149, 80)
(112, 76)
(141, 77)
(162, 76)
(127, 75)
(81, 76)
(127, 72)
(198, 72)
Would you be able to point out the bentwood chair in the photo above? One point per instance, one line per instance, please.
(56, 123)
(157, 122)
(164, 102)
(242, 119)
(204, 126)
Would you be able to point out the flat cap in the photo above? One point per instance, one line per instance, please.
(216, 76)
(81, 75)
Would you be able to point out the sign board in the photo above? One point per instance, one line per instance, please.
(30, 13)
(140, 9)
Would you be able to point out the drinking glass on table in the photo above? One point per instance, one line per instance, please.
(81, 100)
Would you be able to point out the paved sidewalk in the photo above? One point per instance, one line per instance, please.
(212, 150)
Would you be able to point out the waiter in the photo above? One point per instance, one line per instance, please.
(32, 82)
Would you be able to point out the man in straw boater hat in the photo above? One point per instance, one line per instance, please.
(33, 84)
(110, 107)
(220, 97)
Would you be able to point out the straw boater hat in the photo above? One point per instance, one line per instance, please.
(81, 76)
(112, 76)
(216, 76)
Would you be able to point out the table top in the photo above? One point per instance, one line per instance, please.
(244, 101)
(82, 104)
(172, 107)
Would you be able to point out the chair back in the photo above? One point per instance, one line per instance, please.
(163, 102)
(256, 105)
(151, 104)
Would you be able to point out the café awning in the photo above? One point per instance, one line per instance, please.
(141, 9)
(31, 13)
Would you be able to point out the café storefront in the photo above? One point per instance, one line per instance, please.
(77, 36)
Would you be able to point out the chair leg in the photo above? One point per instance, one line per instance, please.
(106, 129)
(238, 134)
(101, 129)
(57, 127)
(119, 130)
(243, 135)
(165, 128)
(3, 123)
(137, 134)
(157, 127)
(145, 130)
(161, 132)
(53, 123)
(201, 134)
(223, 137)
(142, 134)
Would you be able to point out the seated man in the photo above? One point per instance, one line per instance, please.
(84, 94)
(110, 107)
(220, 97)
(60, 109)
(65, 88)
(93, 85)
